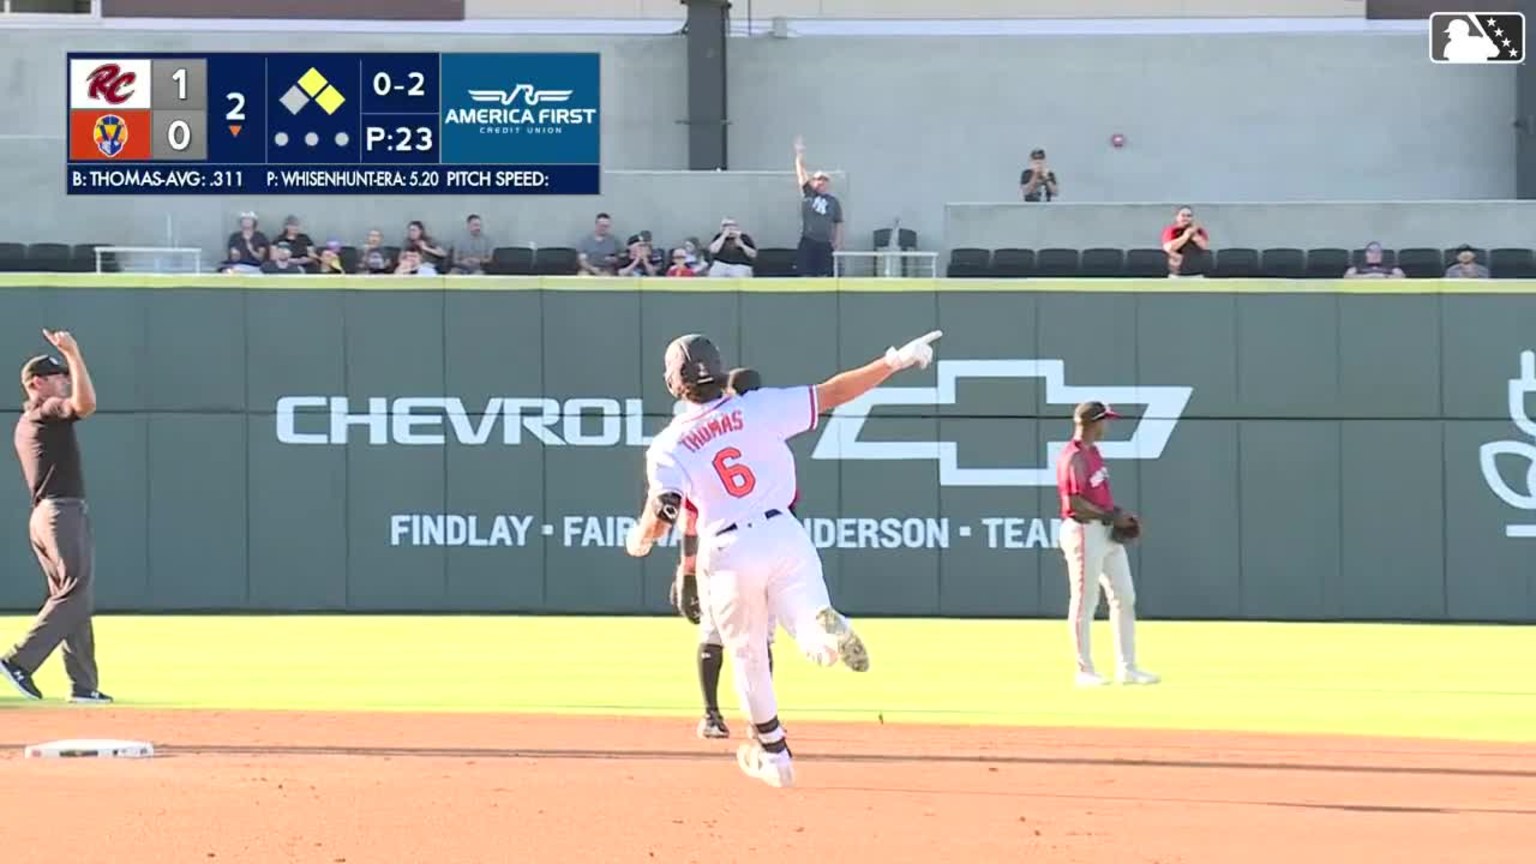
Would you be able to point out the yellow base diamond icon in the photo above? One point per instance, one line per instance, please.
(330, 99)
(313, 82)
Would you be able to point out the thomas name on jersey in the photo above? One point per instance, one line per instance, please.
(704, 433)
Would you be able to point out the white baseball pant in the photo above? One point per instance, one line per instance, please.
(764, 570)
(1094, 559)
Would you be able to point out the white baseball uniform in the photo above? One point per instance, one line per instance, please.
(730, 459)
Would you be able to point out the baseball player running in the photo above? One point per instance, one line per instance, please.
(729, 456)
(1093, 536)
(684, 597)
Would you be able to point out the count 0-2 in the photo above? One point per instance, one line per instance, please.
(403, 139)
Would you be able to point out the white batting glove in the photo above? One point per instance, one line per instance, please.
(636, 543)
(918, 352)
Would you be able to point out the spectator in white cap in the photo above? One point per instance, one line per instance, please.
(247, 247)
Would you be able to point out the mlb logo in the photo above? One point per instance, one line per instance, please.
(107, 84)
(1477, 37)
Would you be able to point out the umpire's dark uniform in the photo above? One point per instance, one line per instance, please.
(61, 536)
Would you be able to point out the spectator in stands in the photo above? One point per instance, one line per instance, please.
(300, 248)
(412, 263)
(598, 253)
(658, 256)
(1188, 246)
(637, 260)
(247, 247)
(330, 259)
(696, 255)
(681, 267)
(1466, 266)
(428, 251)
(821, 219)
(282, 261)
(472, 249)
(373, 258)
(1373, 267)
(1038, 181)
(732, 251)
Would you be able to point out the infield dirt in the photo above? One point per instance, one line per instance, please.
(359, 788)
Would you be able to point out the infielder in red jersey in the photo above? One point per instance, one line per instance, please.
(1093, 536)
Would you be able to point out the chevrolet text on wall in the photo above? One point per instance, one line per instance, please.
(610, 422)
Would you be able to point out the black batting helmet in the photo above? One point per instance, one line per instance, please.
(694, 370)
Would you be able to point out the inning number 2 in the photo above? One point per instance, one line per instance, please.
(738, 479)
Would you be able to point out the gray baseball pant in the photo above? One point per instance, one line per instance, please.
(61, 537)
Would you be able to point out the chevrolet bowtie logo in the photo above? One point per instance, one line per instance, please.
(840, 438)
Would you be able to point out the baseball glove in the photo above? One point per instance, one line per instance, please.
(1126, 533)
(684, 596)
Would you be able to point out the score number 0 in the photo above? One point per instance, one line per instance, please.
(418, 139)
(179, 133)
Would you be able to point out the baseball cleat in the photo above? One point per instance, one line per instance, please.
(713, 726)
(1090, 679)
(775, 769)
(850, 648)
(1132, 675)
(20, 680)
(90, 697)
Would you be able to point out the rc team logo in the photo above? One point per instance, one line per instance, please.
(1477, 37)
(107, 84)
(110, 135)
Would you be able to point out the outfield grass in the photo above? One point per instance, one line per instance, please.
(1401, 680)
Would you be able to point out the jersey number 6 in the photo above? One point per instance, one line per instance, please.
(738, 479)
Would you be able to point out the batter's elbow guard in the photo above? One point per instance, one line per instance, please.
(669, 505)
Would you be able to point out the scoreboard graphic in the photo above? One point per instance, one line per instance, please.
(334, 124)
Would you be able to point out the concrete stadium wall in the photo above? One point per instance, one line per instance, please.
(923, 9)
(1299, 450)
(1288, 117)
(1301, 225)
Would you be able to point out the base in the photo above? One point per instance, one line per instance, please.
(91, 748)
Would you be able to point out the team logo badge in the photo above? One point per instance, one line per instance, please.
(111, 134)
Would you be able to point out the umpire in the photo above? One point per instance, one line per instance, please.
(58, 396)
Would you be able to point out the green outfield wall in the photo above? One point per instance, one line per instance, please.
(1298, 450)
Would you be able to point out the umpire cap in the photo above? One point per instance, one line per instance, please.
(693, 360)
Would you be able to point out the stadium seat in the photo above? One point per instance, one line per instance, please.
(1283, 263)
(510, 261)
(1057, 263)
(1388, 258)
(82, 258)
(969, 263)
(391, 253)
(1013, 263)
(13, 257)
(1327, 263)
(1102, 263)
(48, 258)
(1421, 263)
(1235, 263)
(559, 261)
(906, 239)
(348, 256)
(1509, 263)
(774, 262)
(1146, 263)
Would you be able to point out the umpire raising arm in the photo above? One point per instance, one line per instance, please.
(59, 395)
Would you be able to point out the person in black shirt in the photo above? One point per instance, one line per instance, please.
(59, 395)
(1038, 182)
(733, 251)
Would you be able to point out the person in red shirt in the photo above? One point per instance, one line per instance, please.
(1088, 512)
(1187, 244)
(680, 266)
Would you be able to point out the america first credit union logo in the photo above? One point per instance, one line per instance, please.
(1488, 454)
(522, 109)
